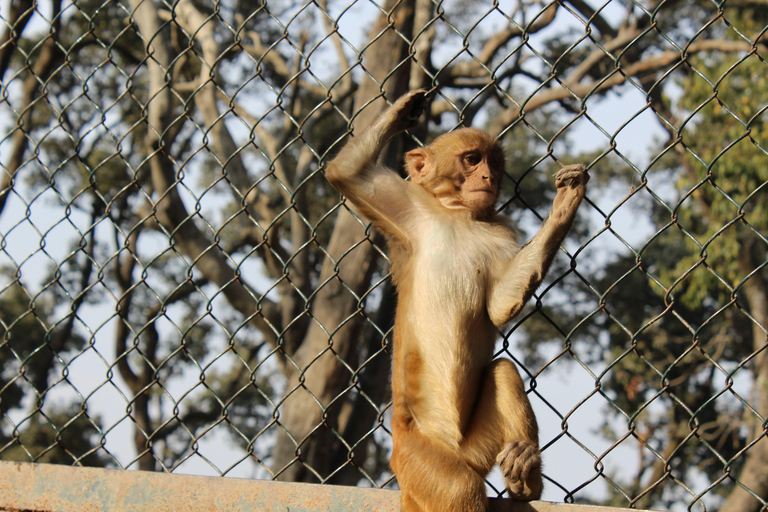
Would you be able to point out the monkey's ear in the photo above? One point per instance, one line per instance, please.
(417, 164)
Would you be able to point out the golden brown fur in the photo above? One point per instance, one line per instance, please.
(460, 274)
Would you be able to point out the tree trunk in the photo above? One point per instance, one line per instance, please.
(311, 413)
(754, 474)
(46, 60)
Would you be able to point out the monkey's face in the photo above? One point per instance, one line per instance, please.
(478, 172)
(462, 169)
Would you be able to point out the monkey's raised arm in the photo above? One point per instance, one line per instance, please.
(527, 269)
(380, 194)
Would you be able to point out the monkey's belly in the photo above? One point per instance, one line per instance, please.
(454, 354)
(445, 310)
(445, 404)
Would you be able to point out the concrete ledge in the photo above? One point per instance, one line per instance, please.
(26, 487)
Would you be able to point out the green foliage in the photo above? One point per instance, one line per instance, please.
(723, 207)
(673, 333)
(23, 343)
(61, 436)
(27, 337)
(722, 179)
(668, 325)
(29, 350)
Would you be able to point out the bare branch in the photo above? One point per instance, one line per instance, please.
(198, 25)
(423, 39)
(268, 55)
(294, 102)
(478, 68)
(593, 17)
(21, 12)
(272, 58)
(124, 278)
(333, 33)
(571, 89)
(343, 279)
(626, 36)
(169, 209)
(299, 229)
(272, 146)
(543, 19)
(45, 62)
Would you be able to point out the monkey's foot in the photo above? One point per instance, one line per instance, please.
(520, 463)
(573, 175)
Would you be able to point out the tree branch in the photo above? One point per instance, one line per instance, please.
(21, 12)
(333, 32)
(752, 476)
(345, 274)
(124, 278)
(479, 66)
(169, 209)
(49, 58)
(272, 59)
(571, 89)
(593, 18)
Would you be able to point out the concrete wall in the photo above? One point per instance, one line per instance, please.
(26, 487)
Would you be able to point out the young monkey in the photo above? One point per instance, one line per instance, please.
(460, 275)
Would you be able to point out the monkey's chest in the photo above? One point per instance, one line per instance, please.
(452, 269)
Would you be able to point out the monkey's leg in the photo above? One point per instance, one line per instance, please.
(408, 504)
(433, 477)
(504, 430)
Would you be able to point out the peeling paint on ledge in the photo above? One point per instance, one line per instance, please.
(26, 487)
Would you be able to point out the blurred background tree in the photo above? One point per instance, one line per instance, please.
(188, 259)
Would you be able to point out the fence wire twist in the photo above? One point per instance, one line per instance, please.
(180, 289)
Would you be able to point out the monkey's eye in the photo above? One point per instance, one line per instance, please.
(473, 158)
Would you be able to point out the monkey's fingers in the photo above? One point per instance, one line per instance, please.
(517, 461)
(517, 458)
(525, 462)
(572, 175)
(413, 107)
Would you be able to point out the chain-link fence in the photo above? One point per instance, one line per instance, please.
(180, 289)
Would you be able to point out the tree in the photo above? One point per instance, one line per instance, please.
(723, 175)
(49, 433)
(185, 143)
(686, 312)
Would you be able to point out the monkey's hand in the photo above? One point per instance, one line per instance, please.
(520, 463)
(403, 114)
(361, 151)
(571, 182)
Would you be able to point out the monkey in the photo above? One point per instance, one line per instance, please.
(460, 275)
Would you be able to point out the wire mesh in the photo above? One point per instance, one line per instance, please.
(181, 290)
